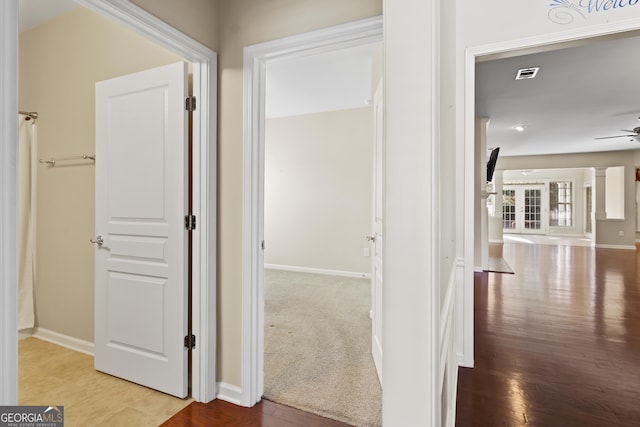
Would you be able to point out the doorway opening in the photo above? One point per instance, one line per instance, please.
(256, 60)
(318, 191)
(203, 158)
(516, 49)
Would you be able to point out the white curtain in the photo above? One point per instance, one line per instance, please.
(27, 166)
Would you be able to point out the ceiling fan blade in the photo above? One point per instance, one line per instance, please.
(631, 131)
(617, 136)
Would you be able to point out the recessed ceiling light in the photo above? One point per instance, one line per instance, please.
(520, 128)
(527, 73)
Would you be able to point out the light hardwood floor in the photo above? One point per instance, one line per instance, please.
(52, 375)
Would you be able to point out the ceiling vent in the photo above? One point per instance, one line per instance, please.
(527, 73)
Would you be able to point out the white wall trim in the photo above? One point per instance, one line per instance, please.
(624, 247)
(452, 409)
(229, 393)
(447, 318)
(256, 58)
(63, 340)
(8, 202)
(468, 141)
(323, 271)
(204, 183)
(460, 307)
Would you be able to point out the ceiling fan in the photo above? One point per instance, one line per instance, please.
(634, 134)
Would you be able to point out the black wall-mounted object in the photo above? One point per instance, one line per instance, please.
(491, 164)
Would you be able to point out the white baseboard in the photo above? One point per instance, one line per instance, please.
(229, 393)
(318, 271)
(478, 269)
(451, 420)
(462, 363)
(62, 340)
(25, 333)
(496, 241)
(625, 247)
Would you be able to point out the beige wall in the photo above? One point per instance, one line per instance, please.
(318, 188)
(195, 18)
(59, 63)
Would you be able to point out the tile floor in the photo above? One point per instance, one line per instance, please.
(52, 375)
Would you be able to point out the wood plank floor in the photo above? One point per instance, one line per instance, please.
(558, 342)
(265, 414)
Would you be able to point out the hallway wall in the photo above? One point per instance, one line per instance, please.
(318, 188)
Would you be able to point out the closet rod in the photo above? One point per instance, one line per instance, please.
(30, 114)
(52, 161)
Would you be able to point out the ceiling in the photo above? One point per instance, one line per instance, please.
(580, 93)
(330, 81)
(34, 12)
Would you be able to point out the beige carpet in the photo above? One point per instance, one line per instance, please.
(318, 346)
(52, 375)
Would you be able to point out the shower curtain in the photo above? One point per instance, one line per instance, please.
(27, 162)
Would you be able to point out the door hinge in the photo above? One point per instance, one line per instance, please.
(190, 103)
(190, 222)
(190, 342)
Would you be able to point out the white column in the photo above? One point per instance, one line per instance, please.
(8, 202)
(411, 299)
(495, 222)
(600, 197)
(600, 194)
(481, 259)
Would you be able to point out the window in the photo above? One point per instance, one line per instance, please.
(561, 204)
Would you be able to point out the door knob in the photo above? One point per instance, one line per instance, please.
(371, 238)
(99, 240)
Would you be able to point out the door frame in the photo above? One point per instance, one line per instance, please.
(204, 63)
(466, 146)
(256, 58)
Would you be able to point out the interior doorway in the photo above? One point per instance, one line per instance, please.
(510, 49)
(318, 178)
(203, 157)
(257, 59)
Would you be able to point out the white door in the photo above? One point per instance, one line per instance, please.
(376, 238)
(141, 202)
(523, 209)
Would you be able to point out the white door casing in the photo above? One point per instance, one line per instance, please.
(377, 237)
(141, 201)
